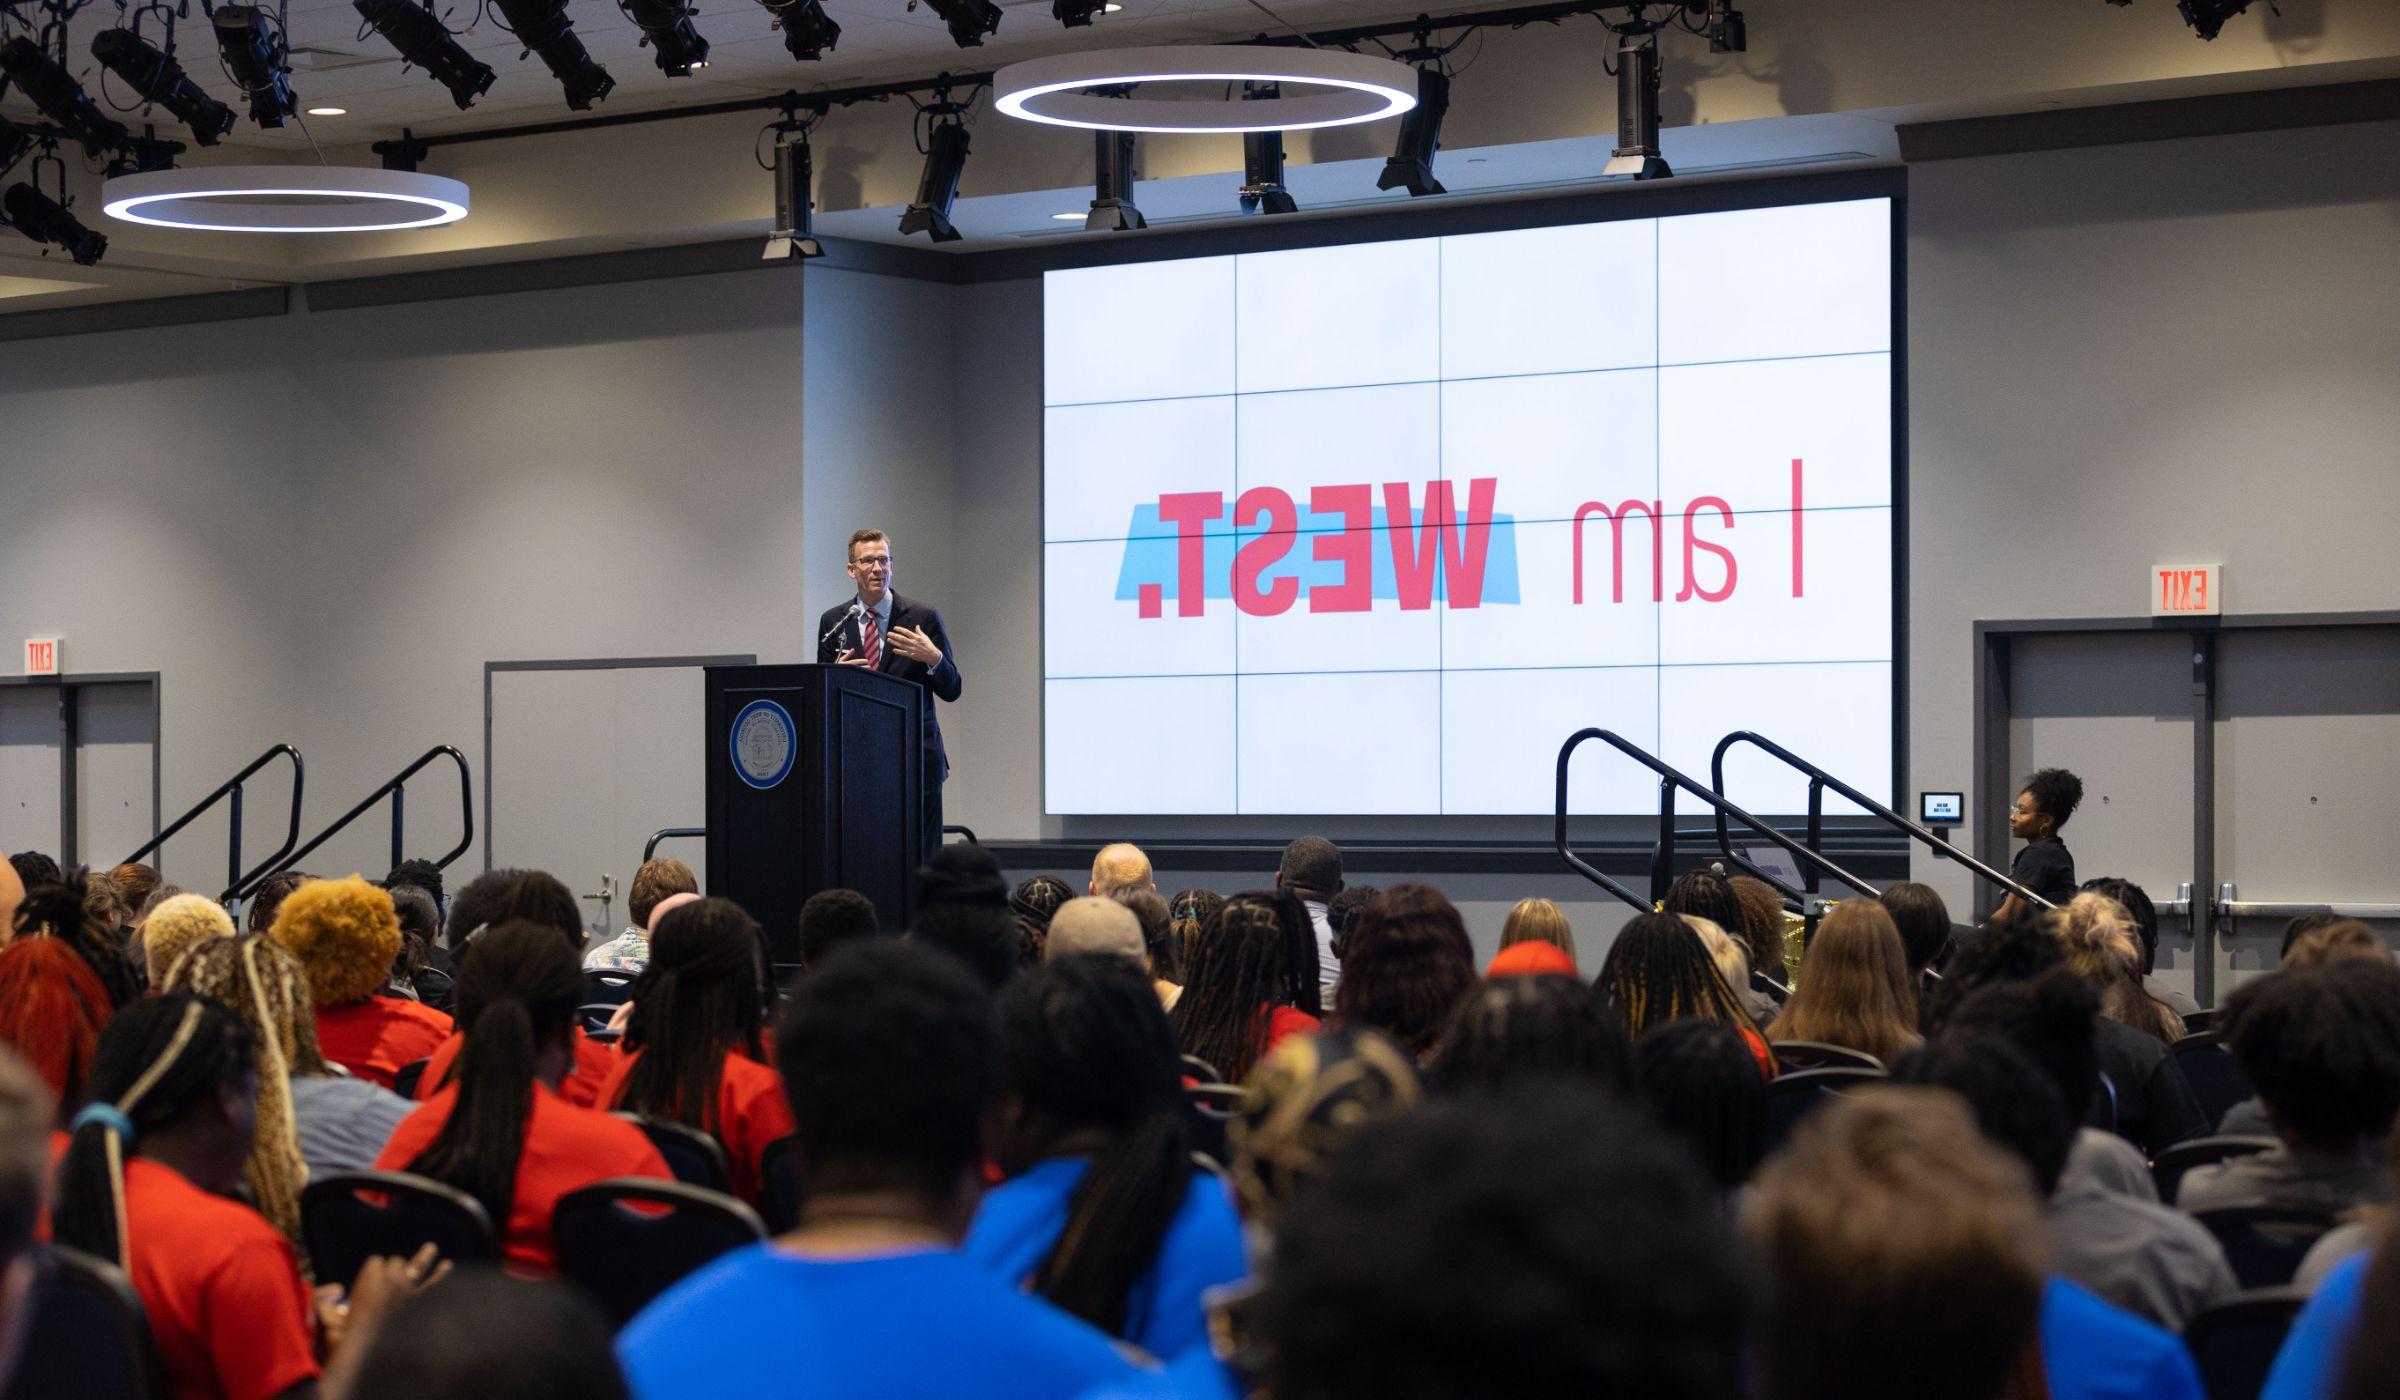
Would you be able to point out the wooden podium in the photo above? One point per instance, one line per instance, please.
(815, 782)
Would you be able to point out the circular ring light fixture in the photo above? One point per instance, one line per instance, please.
(233, 199)
(1339, 88)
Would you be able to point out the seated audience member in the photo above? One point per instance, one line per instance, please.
(103, 908)
(1408, 967)
(1533, 958)
(2053, 1021)
(420, 927)
(655, 880)
(52, 1010)
(1089, 925)
(1236, 1002)
(2099, 940)
(1733, 964)
(56, 909)
(2322, 1046)
(1158, 947)
(499, 1130)
(34, 869)
(147, 1184)
(27, 1111)
(422, 873)
(1188, 912)
(1031, 904)
(2300, 924)
(1521, 1245)
(1103, 1213)
(1923, 922)
(2136, 903)
(1311, 872)
(344, 934)
(2151, 1261)
(1708, 895)
(1341, 915)
(2044, 866)
(266, 901)
(1120, 866)
(337, 1122)
(2343, 938)
(695, 1051)
(497, 897)
(1307, 1098)
(1519, 1030)
(1773, 936)
(1855, 991)
(2145, 1099)
(1700, 1081)
(831, 918)
(962, 909)
(1658, 970)
(133, 881)
(890, 1055)
(12, 894)
(1538, 921)
(442, 1343)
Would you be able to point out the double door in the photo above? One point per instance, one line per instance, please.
(79, 766)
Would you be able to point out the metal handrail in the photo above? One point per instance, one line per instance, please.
(666, 833)
(968, 832)
(1662, 853)
(1818, 781)
(232, 787)
(395, 789)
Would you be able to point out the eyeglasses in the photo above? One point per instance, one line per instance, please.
(870, 564)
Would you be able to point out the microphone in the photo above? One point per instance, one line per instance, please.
(840, 622)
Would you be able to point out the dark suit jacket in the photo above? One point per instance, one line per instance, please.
(942, 682)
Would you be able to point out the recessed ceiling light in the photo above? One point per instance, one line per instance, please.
(329, 111)
(1074, 217)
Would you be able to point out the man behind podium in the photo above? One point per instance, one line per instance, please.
(900, 637)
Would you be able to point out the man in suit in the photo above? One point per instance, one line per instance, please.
(901, 637)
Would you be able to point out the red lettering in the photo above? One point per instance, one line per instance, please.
(1797, 518)
(1187, 511)
(1616, 540)
(1436, 533)
(1352, 547)
(1252, 558)
(1692, 540)
(2200, 590)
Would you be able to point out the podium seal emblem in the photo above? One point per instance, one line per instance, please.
(764, 742)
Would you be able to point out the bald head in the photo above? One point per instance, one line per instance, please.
(1095, 925)
(1121, 867)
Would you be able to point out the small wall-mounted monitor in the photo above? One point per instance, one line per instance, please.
(1941, 808)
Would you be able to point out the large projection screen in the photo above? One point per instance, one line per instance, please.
(1372, 528)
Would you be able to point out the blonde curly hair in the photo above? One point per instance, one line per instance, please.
(264, 986)
(176, 927)
(344, 934)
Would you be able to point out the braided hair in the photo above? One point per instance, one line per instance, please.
(1083, 1044)
(263, 985)
(697, 1001)
(158, 1060)
(517, 990)
(58, 908)
(1233, 983)
(1188, 912)
(1658, 970)
(1030, 907)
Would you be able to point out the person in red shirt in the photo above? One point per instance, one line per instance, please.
(345, 935)
(499, 1131)
(145, 1184)
(594, 1062)
(694, 1052)
(497, 897)
(1658, 970)
(1236, 1002)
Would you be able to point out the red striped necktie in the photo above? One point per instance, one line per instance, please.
(870, 644)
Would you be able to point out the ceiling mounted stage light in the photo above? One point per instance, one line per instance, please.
(1411, 166)
(45, 220)
(1637, 153)
(54, 90)
(968, 20)
(15, 142)
(666, 27)
(261, 199)
(161, 80)
(808, 32)
(793, 238)
(1345, 88)
(258, 62)
(1075, 14)
(543, 28)
(2207, 17)
(937, 189)
(1112, 184)
(425, 41)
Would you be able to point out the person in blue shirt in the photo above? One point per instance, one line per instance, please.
(887, 1053)
(2310, 1365)
(1103, 1213)
(2092, 1350)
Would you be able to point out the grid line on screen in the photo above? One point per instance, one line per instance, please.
(1304, 532)
(1479, 670)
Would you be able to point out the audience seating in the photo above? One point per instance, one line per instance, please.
(2265, 1244)
(1201, 1070)
(603, 993)
(2198, 1021)
(2216, 1080)
(1814, 1054)
(2101, 1113)
(86, 1336)
(628, 1240)
(2235, 1340)
(2168, 1170)
(1791, 1096)
(779, 1171)
(406, 1079)
(1207, 1109)
(348, 1218)
(696, 1158)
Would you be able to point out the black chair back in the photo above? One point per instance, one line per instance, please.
(696, 1158)
(607, 988)
(406, 1079)
(1815, 1054)
(1791, 1097)
(348, 1218)
(779, 1173)
(2169, 1166)
(2265, 1244)
(1201, 1070)
(1207, 1108)
(2201, 1020)
(2216, 1080)
(86, 1336)
(594, 1016)
(2235, 1341)
(627, 1240)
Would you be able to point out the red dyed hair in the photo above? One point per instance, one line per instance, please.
(51, 1011)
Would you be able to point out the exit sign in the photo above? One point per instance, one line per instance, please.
(2187, 590)
(41, 656)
